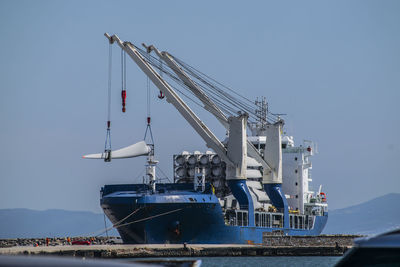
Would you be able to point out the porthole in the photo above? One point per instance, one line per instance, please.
(296, 183)
(295, 171)
(295, 158)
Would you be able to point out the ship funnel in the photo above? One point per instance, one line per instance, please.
(135, 150)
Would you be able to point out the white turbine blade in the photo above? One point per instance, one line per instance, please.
(135, 150)
(94, 156)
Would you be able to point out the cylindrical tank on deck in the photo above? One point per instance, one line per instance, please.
(191, 172)
(180, 159)
(192, 160)
(204, 159)
(216, 171)
(216, 160)
(180, 172)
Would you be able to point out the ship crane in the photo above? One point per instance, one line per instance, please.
(271, 162)
(235, 152)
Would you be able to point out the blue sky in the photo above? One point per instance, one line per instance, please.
(332, 66)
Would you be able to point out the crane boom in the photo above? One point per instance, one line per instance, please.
(211, 140)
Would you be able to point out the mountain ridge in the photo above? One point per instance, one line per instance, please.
(26, 223)
(374, 216)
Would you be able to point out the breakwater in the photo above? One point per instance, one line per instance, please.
(56, 241)
(299, 246)
(302, 241)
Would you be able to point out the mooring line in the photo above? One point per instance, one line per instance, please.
(117, 226)
(149, 218)
(102, 231)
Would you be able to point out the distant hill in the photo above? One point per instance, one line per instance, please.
(371, 217)
(26, 223)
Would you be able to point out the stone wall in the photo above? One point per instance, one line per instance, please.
(305, 241)
(57, 241)
(174, 250)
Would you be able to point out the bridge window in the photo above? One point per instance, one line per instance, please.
(242, 218)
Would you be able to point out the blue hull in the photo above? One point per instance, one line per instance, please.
(180, 216)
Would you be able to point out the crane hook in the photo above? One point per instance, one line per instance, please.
(161, 95)
(123, 96)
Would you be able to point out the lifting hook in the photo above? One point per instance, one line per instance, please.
(161, 95)
(123, 96)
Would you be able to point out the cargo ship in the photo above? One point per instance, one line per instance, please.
(254, 182)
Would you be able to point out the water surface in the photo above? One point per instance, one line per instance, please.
(303, 261)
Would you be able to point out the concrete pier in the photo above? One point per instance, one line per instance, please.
(134, 251)
(273, 246)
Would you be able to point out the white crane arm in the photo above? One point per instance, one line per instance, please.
(211, 140)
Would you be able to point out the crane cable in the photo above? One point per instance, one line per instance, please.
(123, 79)
(107, 145)
(148, 128)
(219, 96)
(229, 102)
(161, 95)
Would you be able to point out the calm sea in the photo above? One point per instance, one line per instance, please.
(259, 261)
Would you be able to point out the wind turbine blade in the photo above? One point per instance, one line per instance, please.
(135, 150)
(94, 156)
